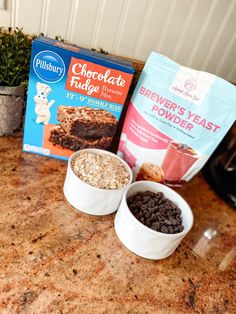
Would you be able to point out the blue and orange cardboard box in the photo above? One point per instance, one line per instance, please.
(75, 98)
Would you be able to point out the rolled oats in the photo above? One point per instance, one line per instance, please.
(100, 170)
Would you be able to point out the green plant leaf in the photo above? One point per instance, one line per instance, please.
(15, 49)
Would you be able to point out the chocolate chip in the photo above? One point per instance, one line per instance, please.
(173, 221)
(152, 210)
(138, 198)
(151, 204)
(132, 206)
(164, 229)
(176, 229)
(153, 227)
(130, 200)
(156, 211)
(151, 194)
(156, 225)
(144, 207)
(163, 211)
(148, 223)
(146, 199)
(153, 217)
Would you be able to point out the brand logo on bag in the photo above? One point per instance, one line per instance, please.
(49, 66)
(190, 84)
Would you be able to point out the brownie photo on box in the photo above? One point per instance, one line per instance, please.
(59, 137)
(83, 127)
(86, 121)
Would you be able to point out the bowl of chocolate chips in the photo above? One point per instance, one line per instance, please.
(152, 219)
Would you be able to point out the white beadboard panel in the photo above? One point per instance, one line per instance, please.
(121, 26)
(14, 7)
(187, 27)
(201, 31)
(5, 15)
(167, 22)
(191, 29)
(224, 66)
(106, 26)
(72, 20)
(85, 22)
(222, 39)
(196, 33)
(231, 77)
(5, 18)
(201, 51)
(178, 17)
(130, 26)
(44, 17)
(97, 23)
(151, 28)
(57, 17)
(227, 66)
(24, 15)
(2, 4)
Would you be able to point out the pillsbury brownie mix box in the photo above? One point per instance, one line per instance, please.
(75, 98)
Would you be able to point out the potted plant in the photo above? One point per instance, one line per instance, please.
(15, 49)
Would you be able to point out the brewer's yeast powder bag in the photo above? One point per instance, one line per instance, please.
(176, 118)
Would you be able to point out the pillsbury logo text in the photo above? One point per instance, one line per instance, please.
(49, 66)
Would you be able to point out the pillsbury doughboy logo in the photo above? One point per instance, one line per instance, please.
(49, 66)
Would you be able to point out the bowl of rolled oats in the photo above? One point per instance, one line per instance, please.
(96, 180)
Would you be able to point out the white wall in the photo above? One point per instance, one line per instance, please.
(196, 33)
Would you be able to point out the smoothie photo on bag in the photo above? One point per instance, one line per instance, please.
(179, 158)
(176, 118)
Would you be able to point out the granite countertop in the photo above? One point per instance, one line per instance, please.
(54, 259)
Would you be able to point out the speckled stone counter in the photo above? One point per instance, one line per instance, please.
(54, 259)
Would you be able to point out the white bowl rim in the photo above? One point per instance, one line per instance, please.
(185, 231)
(100, 151)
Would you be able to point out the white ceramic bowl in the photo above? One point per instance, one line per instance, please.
(87, 198)
(142, 240)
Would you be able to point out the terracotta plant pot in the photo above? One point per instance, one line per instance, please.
(11, 108)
